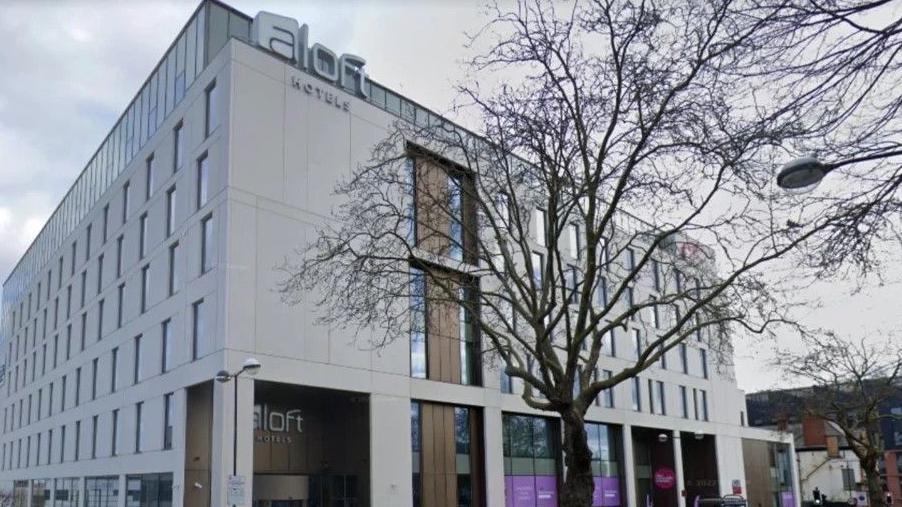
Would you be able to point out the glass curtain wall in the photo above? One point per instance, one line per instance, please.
(102, 491)
(40, 493)
(65, 492)
(148, 490)
(605, 444)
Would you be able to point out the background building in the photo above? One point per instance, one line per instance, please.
(823, 456)
(158, 270)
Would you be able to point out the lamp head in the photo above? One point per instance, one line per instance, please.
(662, 437)
(222, 376)
(251, 366)
(801, 175)
(699, 435)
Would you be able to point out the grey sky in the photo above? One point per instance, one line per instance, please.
(69, 69)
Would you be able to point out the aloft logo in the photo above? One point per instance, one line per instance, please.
(285, 37)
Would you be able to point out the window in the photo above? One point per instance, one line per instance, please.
(148, 178)
(684, 360)
(602, 291)
(166, 345)
(170, 211)
(145, 286)
(608, 346)
(126, 188)
(142, 245)
(684, 403)
(203, 180)
(198, 331)
(695, 402)
(630, 260)
(206, 244)
(703, 360)
(120, 296)
(537, 267)
(531, 453)
(637, 343)
(167, 421)
(88, 230)
(77, 386)
(77, 440)
(456, 218)
(660, 400)
(637, 394)
(137, 359)
(94, 379)
(704, 399)
(656, 274)
(119, 244)
(59, 276)
(177, 147)
(94, 437)
(417, 324)
(173, 278)
(608, 394)
(63, 394)
(139, 425)
(101, 491)
(68, 301)
(540, 230)
(114, 443)
(211, 114)
(62, 443)
(106, 223)
(99, 273)
(100, 319)
(84, 287)
(114, 370)
(575, 241)
(573, 283)
(84, 330)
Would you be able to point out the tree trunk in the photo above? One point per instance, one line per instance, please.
(872, 481)
(578, 483)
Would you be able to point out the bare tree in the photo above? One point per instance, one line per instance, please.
(621, 181)
(851, 383)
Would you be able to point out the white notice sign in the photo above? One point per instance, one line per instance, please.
(235, 490)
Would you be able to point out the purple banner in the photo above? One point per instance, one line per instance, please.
(546, 491)
(530, 491)
(607, 492)
(789, 500)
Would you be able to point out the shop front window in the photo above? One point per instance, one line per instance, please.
(531, 461)
(604, 442)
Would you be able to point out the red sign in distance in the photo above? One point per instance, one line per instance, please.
(665, 478)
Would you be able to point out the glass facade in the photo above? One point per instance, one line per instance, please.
(148, 490)
(40, 493)
(102, 491)
(531, 461)
(605, 444)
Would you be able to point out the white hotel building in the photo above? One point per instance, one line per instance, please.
(156, 271)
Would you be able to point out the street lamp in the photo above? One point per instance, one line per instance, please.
(802, 174)
(252, 367)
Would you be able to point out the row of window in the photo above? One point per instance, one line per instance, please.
(17, 415)
(38, 449)
(145, 490)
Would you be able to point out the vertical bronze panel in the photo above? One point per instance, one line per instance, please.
(432, 213)
(477, 473)
(450, 471)
(428, 454)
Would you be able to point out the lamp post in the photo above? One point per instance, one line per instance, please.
(252, 367)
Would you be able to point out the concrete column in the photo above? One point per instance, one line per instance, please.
(494, 456)
(123, 491)
(390, 459)
(678, 467)
(794, 467)
(629, 465)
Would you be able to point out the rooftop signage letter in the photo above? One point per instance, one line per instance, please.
(285, 37)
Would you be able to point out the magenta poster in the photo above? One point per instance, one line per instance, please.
(530, 491)
(789, 500)
(607, 492)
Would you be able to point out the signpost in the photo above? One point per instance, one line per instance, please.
(236, 490)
